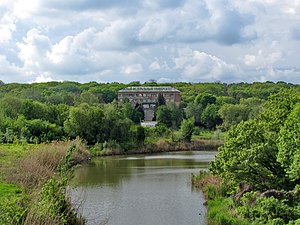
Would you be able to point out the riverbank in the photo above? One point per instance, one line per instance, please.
(220, 206)
(33, 183)
(161, 145)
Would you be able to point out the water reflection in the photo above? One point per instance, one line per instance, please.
(143, 189)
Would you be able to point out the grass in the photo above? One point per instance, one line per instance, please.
(208, 135)
(29, 176)
(7, 190)
(9, 154)
(220, 206)
(221, 212)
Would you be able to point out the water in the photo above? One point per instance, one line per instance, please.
(141, 190)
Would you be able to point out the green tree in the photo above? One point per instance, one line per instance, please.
(176, 115)
(194, 110)
(140, 134)
(34, 110)
(164, 115)
(135, 114)
(11, 106)
(88, 97)
(116, 126)
(233, 114)
(249, 156)
(205, 99)
(210, 117)
(42, 131)
(86, 122)
(289, 145)
(187, 128)
(278, 107)
(161, 100)
(255, 106)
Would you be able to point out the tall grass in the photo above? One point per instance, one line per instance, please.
(220, 206)
(43, 174)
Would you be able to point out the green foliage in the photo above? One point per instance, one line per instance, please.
(164, 115)
(220, 205)
(210, 117)
(13, 210)
(233, 114)
(169, 115)
(162, 130)
(88, 97)
(220, 211)
(140, 134)
(289, 144)
(41, 131)
(205, 99)
(194, 110)
(10, 106)
(249, 156)
(135, 114)
(265, 153)
(261, 210)
(278, 107)
(34, 110)
(187, 128)
(86, 122)
(47, 106)
(161, 100)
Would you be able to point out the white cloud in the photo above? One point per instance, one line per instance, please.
(134, 68)
(7, 27)
(23, 9)
(43, 79)
(33, 49)
(227, 40)
(154, 66)
(262, 60)
(155, 29)
(199, 66)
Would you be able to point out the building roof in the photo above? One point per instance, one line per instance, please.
(150, 89)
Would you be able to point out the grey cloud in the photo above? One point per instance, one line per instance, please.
(81, 5)
(295, 32)
(163, 4)
(197, 21)
(230, 28)
(90, 39)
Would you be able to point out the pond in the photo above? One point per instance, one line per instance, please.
(141, 189)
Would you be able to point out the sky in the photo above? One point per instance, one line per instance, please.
(226, 41)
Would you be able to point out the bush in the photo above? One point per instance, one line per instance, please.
(262, 210)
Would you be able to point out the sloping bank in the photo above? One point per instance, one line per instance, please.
(161, 145)
(36, 183)
(220, 206)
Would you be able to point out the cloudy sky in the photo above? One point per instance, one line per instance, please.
(166, 40)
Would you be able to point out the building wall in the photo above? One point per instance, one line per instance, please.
(146, 96)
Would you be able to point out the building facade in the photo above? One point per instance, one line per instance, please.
(148, 96)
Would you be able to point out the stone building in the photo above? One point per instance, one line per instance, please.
(148, 97)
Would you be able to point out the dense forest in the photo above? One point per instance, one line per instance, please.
(43, 112)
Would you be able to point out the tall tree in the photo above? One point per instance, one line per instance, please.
(161, 100)
(187, 128)
(210, 117)
(86, 122)
(164, 115)
(289, 145)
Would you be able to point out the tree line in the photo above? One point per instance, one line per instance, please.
(43, 112)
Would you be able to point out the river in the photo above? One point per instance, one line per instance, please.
(141, 189)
